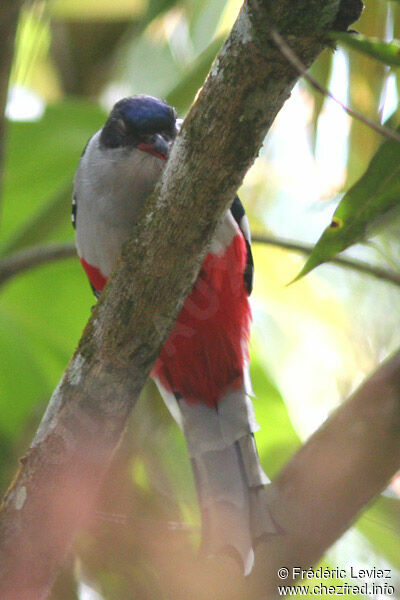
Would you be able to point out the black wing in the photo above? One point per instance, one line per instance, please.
(74, 198)
(74, 211)
(239, 215)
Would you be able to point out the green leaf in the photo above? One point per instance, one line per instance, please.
(386, 52)
(42, 312)
(321, 70)
(277, 439)
(325, 584)
(158, 7)
(380, 524)
(43, 224)
(182, 95)
(362, 208)
(41, 158)
(42, 315)
(97, 10)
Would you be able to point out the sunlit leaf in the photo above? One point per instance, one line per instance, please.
(277, 440)
(386, 52)
(362, 208)
(32, 42)
(97, 9)
(380, 524)
(328, 585)
(366, 82)
(158, 7)
(321, 70)
(183, 94)
(207, 17)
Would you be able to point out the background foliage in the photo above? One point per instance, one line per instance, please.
(312, 342)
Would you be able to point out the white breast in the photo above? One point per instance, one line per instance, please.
(110, 188)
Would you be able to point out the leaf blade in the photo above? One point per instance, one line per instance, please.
(386, 52)
(363, 209)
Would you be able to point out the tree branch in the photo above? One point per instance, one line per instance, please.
(16, 263)
(316, 497)
(54, 490)
(341, 468)
(387, 275)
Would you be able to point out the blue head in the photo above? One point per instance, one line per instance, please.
(142, 122)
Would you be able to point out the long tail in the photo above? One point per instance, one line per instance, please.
(229, 478)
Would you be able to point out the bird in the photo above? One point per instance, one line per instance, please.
(202, 371)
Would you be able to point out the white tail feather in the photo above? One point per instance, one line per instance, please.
(229, 478)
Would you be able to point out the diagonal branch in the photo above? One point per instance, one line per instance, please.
(345, 464)
(54, 490)
(341, 468)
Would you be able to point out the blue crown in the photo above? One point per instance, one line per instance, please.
(146, 114)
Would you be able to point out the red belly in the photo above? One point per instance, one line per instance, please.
(204, 354)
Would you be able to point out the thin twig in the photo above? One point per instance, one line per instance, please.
(11, 266)
(301, 69)
(349, 263)
(38, 255)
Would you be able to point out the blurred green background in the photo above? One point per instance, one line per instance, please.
(312, 342)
